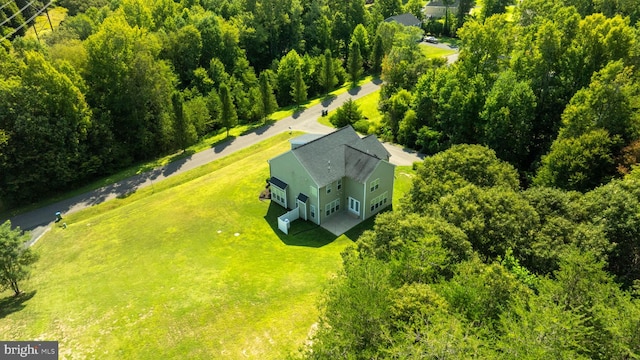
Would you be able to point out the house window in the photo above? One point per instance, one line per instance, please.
(332, 207)
(329, 189)
(374, 185)
(339, 186)
(379, 201)
(313, 211)
(278, 195)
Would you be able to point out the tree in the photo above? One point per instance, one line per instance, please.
(607, 103)
(267, 103)
(580, 163)
(15, 257)
(328, 77)
(387, 8)
(228, 110)
(361, 35)
(354, 62)
(455, 168)
(509, 112)
(347, 114)
(40, 102)
(286, 75)
(185, 132)
(298, 88)
(377, 53)
(186, 46)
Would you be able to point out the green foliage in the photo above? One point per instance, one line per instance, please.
(15, 258)
(228, 114)
(581, 163)
(328, 79)
(509, 112)
(354, 62)
(456, 168)
(46, 119)
(355, 312)
(185, 131)
(267, 104)
(298, 87)
(347, 114)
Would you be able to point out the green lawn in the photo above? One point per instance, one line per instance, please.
(161, 273)
(432, 52)
(56, 14)
(368, 104)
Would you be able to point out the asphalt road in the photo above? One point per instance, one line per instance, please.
(38, 221)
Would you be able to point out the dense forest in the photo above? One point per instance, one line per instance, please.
(520, 236)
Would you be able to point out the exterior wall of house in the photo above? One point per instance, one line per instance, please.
(355, 190)
(287, 168)
(378, 189)
(332, 201)
(439, 11)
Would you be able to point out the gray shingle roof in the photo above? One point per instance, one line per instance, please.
(341, 153)
(405, 19)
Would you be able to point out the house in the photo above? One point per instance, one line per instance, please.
(332, 176)
(405, 19)
(437, 8)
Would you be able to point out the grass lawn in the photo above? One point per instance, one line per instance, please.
(367, 104)
(56, 14)
(432, 52)
(161, 273)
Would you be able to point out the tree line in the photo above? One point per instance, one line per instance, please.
(551, 88)
(473, 266)
(120, 82)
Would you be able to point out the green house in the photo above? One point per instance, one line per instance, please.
(338, 176)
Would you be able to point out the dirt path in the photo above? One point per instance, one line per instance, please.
(38, 221)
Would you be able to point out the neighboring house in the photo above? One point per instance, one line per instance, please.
(338, 174)
(405, 19)
(437, 9)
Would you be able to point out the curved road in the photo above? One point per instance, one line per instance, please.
(39, 220)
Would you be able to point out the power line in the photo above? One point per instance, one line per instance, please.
(17, 13)
(6, 4)
(26, 21)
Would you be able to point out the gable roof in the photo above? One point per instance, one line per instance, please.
(341, 153)
(405, 19)
(455, 4)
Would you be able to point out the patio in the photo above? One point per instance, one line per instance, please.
(341, 222)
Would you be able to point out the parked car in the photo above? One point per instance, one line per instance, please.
(431, 39)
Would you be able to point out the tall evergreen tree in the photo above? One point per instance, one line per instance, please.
(354, 63)
(328, 77)
(228, 110)
(185, 131)
(377, 53)
(298, 88)
(267, 103)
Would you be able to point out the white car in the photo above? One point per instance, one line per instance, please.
(431, 39)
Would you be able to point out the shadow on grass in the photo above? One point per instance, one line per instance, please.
(12, 304)
(301, 233)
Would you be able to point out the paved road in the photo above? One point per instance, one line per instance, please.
(39, 220)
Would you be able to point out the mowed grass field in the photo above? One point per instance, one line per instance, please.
(190, 268)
